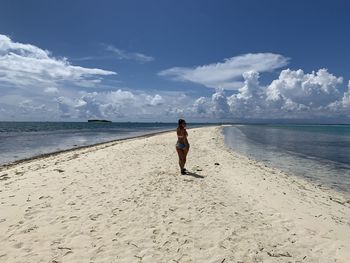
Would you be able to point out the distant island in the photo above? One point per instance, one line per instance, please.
(99, 121)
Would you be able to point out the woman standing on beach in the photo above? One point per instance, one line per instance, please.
(182, 145)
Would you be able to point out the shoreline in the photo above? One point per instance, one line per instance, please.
(260, 163)
(125, 201)
(4, 166)
(295, 177)
(55, 153)
(111, 143)
(287, 161)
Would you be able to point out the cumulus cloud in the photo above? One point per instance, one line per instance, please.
(251, 101)
(36, 85)
(23, 65)
(214, 107)
(122, 54)
(341, 106)
(97, 104)
(220, 107)
(51, 90)
(155, 100)
(293, 95)
(113, 104)
(346, 98)
(321, 97)
(28, 107)
(227, 74)
(201, 107)
(65, 106)
(315, 89)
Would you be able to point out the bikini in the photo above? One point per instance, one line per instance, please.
(179, 144)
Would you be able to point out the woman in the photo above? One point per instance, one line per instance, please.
(182, 145)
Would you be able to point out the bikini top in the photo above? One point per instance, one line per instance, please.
(182, 136)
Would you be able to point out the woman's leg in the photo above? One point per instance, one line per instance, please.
(185, 154)
(182, 157)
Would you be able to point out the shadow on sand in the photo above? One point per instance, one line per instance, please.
(195, 175)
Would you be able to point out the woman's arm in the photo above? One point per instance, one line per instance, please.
(180, 135)
(186, 134)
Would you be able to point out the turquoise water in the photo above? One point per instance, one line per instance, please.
(320, 153)
(19, 140)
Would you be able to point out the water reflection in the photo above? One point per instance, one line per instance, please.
(322, 158)
(29, 145)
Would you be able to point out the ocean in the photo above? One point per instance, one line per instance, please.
(20, 140)
(320, 153)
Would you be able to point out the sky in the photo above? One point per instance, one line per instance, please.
(160, 60)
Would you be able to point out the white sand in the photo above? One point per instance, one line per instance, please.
(126, 202)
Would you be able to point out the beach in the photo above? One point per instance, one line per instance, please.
(126, 201)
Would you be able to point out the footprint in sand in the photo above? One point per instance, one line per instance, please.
(4, 177)
(94, 217)
(74, 217)
(45, 197)
(18, 245)
(65, 250)
(28, 230)
(19, 173)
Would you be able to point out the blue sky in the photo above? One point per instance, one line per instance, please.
(167, 59)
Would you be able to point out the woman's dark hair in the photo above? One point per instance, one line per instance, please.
(181, 121)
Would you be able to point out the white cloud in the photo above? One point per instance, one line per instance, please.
(315, 89)
(121, 96)
(293, 95)
(251, 86)
(215, 107)
(227, 74)
(122, 54)
(51, 90)
(27, 107)
(24, 65)
(7, 45)
(155, 100)
(101, 104)
(341, 106)
(251, 101)
(346, 98)
(220, 107)
(201, 106)
(37, 86)
(65, 106)
(112, 104)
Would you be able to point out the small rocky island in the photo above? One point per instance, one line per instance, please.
(99, 121)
